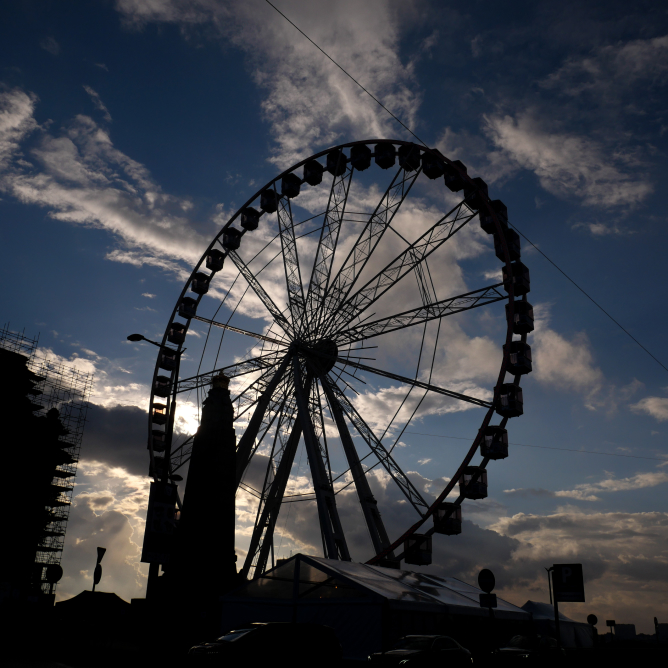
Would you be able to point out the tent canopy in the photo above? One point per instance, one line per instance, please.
(573, 634)
(98, 600)
(543, 611)
(305, 578)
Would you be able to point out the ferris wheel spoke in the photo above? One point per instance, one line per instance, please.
(367, 501)
(405, 262)
(324, 256)
(366, 243)
(181, 455)
(251, 394)
(293, 276)
(267, 361)
(416, 383)
(238, 330)
(330, 523)
(422, 314)
(270, 505)
(269, 399)
(278, 316)
(400, 478)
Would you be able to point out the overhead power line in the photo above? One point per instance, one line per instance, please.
(403, 125)
(547, 447)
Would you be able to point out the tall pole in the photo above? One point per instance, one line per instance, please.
(556, 615)
(549, 583)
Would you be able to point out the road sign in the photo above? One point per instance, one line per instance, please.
(592, 620)
(610, 622)
(568, 583)
(53, 573)
(486, 581)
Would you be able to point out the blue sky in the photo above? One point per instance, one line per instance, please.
(130, 131)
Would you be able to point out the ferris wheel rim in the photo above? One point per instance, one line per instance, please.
(502, 373)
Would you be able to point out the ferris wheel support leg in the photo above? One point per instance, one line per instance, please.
(264, 527)
(330, 523)
(245, 447)
(374, 522)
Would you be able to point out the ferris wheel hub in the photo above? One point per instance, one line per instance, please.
(320, 356)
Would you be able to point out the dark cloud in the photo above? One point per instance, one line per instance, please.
(101, 501)
(117, 436)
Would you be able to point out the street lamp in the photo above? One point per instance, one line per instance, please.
(135, 338)
(140, 337)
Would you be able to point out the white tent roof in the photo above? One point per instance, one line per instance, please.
(329, 578)
(544, 611)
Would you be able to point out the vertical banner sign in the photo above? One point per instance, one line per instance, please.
(97, 574)
(160, 524)
(568, 583)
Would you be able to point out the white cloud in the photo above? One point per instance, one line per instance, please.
(495, 275)
(148, 295)
(562, 363)
(567, 364)
(310, 102)
(657, 407)
(99, 105)
(599, 229)
(80, 177)
(588, 491)
(16, 122)
(567, 164)
(49, 44)
(611, 70)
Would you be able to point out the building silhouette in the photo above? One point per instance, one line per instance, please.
(43, 406)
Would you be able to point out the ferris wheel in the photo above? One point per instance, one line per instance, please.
(344, 259)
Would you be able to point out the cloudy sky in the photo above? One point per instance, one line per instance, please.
(131, 130)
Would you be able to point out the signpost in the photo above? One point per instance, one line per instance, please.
(567, 587)
(486, 582)
(611, 623)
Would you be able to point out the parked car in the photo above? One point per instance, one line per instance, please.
(424, 651)
(292, 644)
(538, 650)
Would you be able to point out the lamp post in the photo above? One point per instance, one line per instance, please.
(557, 627)
(140, 337)
(549, 583)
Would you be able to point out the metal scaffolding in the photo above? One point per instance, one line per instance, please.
(65, 388)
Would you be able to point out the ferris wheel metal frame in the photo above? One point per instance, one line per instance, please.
(300, 368)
